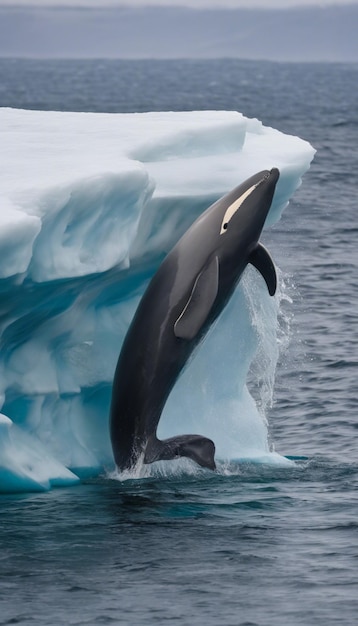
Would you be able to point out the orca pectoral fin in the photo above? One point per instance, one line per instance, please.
(200, 302)
(199, 449)
(261, 259)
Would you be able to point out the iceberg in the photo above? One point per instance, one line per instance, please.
(90, 203)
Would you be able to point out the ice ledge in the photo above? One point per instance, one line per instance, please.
(84, 192)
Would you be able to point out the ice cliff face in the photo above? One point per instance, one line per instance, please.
(89, 205)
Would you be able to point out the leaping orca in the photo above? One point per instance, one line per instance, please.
(185, 296)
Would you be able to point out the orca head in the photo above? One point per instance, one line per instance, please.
(244, 212)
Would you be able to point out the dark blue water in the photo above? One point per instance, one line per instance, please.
(259, 546)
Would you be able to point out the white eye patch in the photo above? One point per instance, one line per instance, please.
(231, 210)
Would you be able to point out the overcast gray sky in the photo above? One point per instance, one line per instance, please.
(189, 3)
(324, 33)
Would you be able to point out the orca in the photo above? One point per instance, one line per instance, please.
(185, 296)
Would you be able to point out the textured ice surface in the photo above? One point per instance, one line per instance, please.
(89, 205)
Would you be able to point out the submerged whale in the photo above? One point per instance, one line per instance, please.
(185, 296)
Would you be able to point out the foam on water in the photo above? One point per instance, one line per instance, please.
(186, 468)
(89, 205)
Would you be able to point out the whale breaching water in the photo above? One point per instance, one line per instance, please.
(185, 296)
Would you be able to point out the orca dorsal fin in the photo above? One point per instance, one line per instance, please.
(200, 302)
(261, 259)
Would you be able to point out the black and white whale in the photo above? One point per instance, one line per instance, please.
(185, 296)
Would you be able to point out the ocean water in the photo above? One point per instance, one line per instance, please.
(253, 545)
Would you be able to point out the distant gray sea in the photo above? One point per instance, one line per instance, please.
(265, 546)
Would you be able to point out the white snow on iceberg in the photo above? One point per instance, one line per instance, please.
(89, 205)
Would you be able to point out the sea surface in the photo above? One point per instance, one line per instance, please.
(255, 545)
